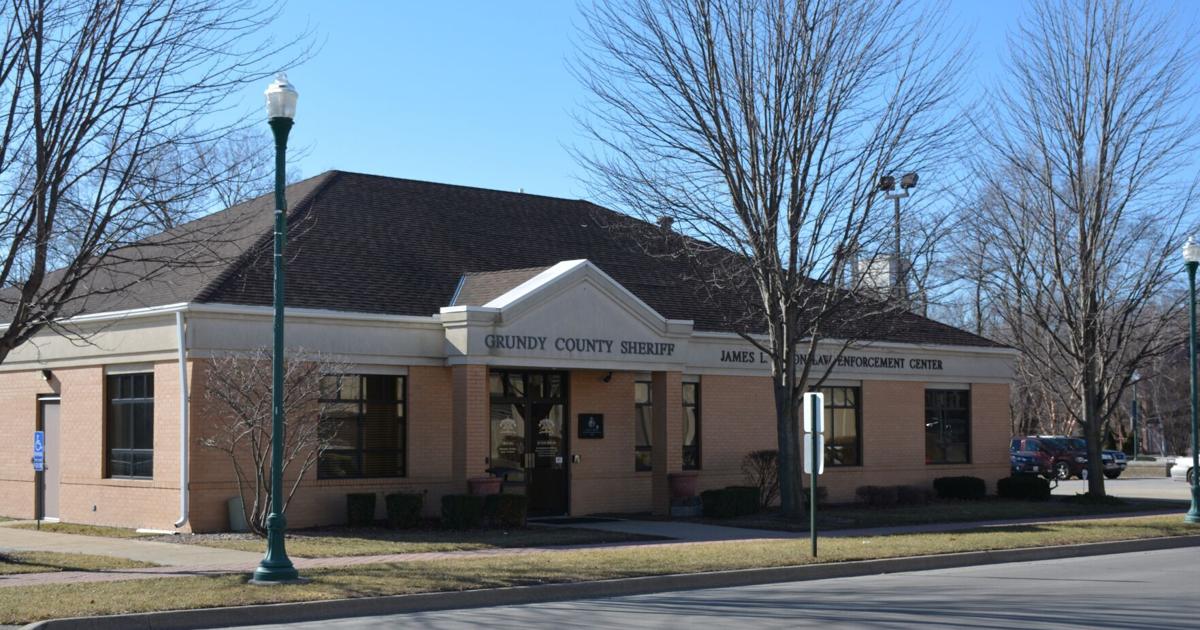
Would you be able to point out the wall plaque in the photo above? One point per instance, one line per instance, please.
(591, 426)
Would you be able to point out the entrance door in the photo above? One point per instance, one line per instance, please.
(529, 431)
(48, 488)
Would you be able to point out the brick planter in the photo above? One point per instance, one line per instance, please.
(482, 486)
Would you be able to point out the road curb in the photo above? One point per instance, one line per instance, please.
(396, 604)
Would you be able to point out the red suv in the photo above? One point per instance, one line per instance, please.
(1049, 456)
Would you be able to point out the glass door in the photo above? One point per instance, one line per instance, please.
(528, 437)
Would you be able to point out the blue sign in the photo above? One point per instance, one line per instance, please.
(39, 451)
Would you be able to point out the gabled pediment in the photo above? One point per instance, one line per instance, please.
(569, 311)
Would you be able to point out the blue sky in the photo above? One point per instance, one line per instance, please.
(479, 93)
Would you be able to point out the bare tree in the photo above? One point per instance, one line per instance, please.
(760, 130)
(1083, 172)
(107, 111)
(238, 395)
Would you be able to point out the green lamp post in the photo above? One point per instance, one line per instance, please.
(276, 567)
(1191, 257)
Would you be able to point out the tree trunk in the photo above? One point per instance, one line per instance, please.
(1091, 426)
(790, 487)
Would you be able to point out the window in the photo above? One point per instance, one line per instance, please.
(947, 426)
(643, 420)
(365, 417)
(691, 426)
(130, 425)
(843, 441)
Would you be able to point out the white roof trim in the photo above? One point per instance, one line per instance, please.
(517, 295)
(535, 283)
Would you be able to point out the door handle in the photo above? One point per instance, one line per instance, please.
(530, 460)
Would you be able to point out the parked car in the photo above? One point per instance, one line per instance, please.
(1114, 461)
(1050, 456)
(1023, 464)
(1181, 470)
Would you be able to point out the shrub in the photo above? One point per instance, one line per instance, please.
(914, 495)
(403, 509)
(761, 469)
(506, 510)
(360, 509)
(878, 496)
(1028, 487)
(730, 502)
(971, 488)
(462, 511)
(745, 499)
(714, 505)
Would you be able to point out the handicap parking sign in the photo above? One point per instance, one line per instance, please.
(39, 451)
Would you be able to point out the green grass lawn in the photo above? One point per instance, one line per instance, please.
(370, 542)
(84, 530)
(12, 563)
(990, 509)
(26, 604)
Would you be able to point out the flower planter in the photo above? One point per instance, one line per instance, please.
(682, 484)
(481, 486)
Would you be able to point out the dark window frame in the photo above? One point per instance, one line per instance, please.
(938, 415)
(695, 449)
(360, 453)
(112, 396)
(830, 405)
(639, 461)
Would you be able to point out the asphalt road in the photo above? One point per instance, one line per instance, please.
(1132, 488)
(1145, 590)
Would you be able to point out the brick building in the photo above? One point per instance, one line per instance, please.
(482, 330)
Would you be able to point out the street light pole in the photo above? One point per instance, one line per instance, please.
(1191, 257)
(276, 567)
(887, 184)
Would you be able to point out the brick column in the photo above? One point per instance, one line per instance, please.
(667, 449)
(471, 419)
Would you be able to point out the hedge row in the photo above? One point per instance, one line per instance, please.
(891, 496)
(730, 502)
(469, 511)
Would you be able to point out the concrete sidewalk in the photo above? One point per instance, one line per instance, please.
(167, 554)
(184, 560)
(684, 531)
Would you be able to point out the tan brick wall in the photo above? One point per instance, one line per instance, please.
(85, 495)
(604, 480)
(18, 421)
(472, 422)
(323, 501)
(448, 440)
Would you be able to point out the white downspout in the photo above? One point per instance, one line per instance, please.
(183, 422)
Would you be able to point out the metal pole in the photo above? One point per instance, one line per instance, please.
(901, 287)
(275, 565)
(816, 466)
(1135, 422)
(1193, 515)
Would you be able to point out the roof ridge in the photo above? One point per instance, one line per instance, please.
(494, 271)
(244, 258)
(493, 191)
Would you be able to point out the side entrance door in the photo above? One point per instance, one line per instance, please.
(52, 474)
(528, 435)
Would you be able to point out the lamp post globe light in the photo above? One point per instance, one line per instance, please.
(1191, 258)
(276, 567)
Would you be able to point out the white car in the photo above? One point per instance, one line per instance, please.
(1182, 469)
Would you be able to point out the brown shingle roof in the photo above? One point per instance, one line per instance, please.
(375, 244)
(477, 289)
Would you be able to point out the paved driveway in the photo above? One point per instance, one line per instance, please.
(1132, 488)
(1145, 590)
